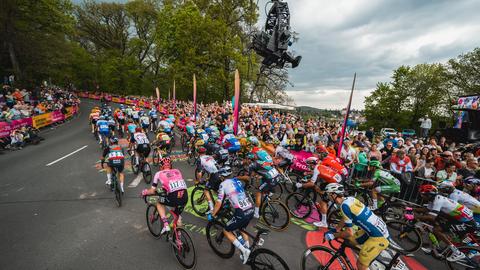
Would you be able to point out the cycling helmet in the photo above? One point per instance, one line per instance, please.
(202, 150)
(321, 149)
(200, 131)
(253, 141)
(335, 188)
(276, 141)
(114, 140)
(312, 161)
(211, 140)
(228, 130)
(165, 162)
(447, 186)
(250, 156)
(101, 117)
(122, 106)
(471, 181)
(225, 171)
(428, 189)
(138, 129)
(199, 143)
(375, 163)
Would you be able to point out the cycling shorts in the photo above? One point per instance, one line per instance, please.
(121, 121)
(239, 220)
(267, 186)
(371, 247)
(112, 128)
(105, 132)
(143, 149)
(119, 164)
(177, 199)
(94, 121)
(144, 126)
(214, 182)
(457, 227)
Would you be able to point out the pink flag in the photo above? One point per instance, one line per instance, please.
(236, 102)
(174, 101)
(158, 93)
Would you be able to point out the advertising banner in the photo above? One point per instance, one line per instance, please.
(41, 120)
(116, 99)
(57, 116)
(6, 128)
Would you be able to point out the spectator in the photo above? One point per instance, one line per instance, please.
(425, 126)
(428, 171)
(386, 154)
(443, 159)
(447, 174)
(400, 163)
(470, 169)
(374, 153)
(370, 133)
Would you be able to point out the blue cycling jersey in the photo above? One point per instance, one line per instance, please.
(131, 127)
(103, 126)
(355, 212)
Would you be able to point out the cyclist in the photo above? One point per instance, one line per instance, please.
(143, 144)
(207, 164)
(131, 126)
(260, 154)
(153, 113)
(129, 112)
(385, 183)
(232, 189)
(472, 186)
(145, 122)
(229, 141)
(119, 116)
(447, 188)
(331, 161)
(111, 124)
(169, 185)
(103, 129)
(372, 235)
(162, 139)
(135, 116)
(116, 158)
(447, 216)
(268, 179)
(284, 157)
(94, 115)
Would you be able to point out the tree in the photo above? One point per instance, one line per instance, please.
(464, 73)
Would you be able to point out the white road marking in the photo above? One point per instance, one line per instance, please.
(78, 150)
(136, 181)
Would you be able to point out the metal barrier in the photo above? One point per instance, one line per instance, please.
(409, 184)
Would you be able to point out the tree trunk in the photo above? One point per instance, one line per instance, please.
(14, 60)
(260, 73)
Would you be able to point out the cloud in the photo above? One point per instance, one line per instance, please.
(372, 38)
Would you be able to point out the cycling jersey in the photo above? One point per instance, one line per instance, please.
(145, 120)
(208, 164)
(103, 127)
(128, 111)
(170, 180)
(153, 114)
(262, 156)
(327, 174)
(465, 199)
(333, 163)
(387, 183)
(450, 208)
(165, 125)
(190, 127)
(119, 115)
(231, 143)
(232, 190)
(356, 213)
(135, 114)
(94, 116)
(131, 128)
(140, 138)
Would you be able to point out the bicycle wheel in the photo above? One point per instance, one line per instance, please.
(471, 261)
(147, 173)
(118, 193)
(288, 184)
(275, 215)
(403, 236)
(299, 206)
(217, 240)
(155, 157)
(134, 166)
(263, 258)
(184, 249)
(154, 223)
(199, 200)
(322, 258)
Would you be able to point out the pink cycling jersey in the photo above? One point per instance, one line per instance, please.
(171, 180)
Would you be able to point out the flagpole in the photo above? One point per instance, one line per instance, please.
(342, 134)
(236, 103)
(174, 100)
(194, 98)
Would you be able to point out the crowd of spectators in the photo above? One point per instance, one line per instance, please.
(17, 104)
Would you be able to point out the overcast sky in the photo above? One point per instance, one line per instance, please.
(372, 38)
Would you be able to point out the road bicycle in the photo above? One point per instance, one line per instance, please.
(180, 240)
(157, 154)
(260, 258)
(142, 166)
(273, 212)
(408, 235)
(115, 187)
(335, 257)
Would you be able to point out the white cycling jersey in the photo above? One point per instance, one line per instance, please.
(145, 120)
(284, 153)
(141, 138)
(465, 199)
(451, 208)
(232, 190)
(209, 164)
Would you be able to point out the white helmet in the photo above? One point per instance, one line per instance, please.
(335, 188)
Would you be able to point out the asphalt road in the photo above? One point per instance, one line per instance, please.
(62, 216)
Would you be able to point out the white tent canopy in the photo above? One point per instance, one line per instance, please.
(271, 106)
